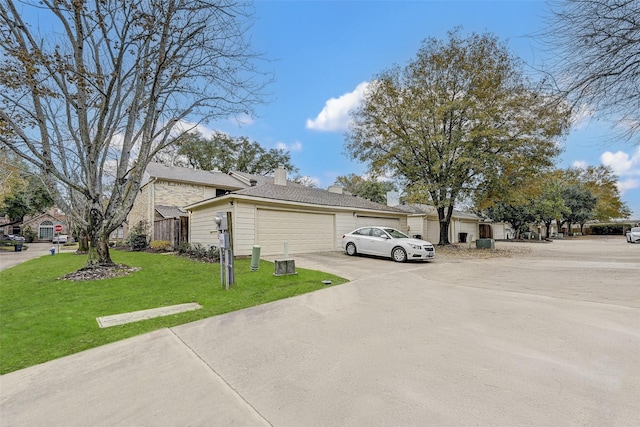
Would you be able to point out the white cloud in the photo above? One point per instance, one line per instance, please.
(185, 126)
(580, 164)
(626, 166)
(622, 163)
(242, 120)
(296, 146)
(335, 114)
(628, 184)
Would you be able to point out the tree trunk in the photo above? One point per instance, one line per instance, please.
(99, 252)
(445, 220)
(548, 225)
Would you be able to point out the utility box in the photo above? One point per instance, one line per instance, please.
(485, 244)
(284, 267)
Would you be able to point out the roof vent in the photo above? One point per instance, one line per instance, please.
(335, 189)
(253, 182)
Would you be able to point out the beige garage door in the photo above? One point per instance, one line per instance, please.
(433, 231)
(305, 232)
(363, 221)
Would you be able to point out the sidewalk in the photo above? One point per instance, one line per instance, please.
(10, 258)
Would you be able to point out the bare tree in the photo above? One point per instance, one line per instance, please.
(599, 58)
(93, 96)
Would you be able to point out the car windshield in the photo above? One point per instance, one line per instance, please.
(395, 233)
(635, 230)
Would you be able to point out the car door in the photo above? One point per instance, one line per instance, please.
(378, 242)
(361, 238)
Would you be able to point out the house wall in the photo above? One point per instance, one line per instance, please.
(168, 193)
(140, 210)
(244, 225)
(431, 227)
(416, 225)
(469, 227)
(172, 193)
(202, 228)
(246, 218)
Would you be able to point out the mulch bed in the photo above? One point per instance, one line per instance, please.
(100, 272)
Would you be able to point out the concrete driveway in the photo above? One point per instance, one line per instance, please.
(10, 258)
(551, 337)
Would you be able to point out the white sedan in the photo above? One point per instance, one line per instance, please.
(387, 242)
(633, 235)
(60, 238)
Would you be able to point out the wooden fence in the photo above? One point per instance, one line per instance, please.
(174, 230)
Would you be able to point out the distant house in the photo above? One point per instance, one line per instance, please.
(40, 225)
(182, 203)
(166, 190)
(422, 220)
(280, 212)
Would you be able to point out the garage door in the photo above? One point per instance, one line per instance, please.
(433, 231)
(305, 232)
(363, 221)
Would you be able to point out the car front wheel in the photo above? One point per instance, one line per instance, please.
(398, 254)
(351, 249)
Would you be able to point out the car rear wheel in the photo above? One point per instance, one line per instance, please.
(398, 254)
(351, 249)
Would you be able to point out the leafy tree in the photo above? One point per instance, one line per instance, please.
(111, 82)
(28, 199)
(10, 174)
(455, 121)
(549, 203)
(598, 44)
(580, 203)
(602, 183)
(367, 188)
(23, 193)
(516, 215)
(226, 153)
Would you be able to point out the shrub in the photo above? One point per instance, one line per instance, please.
(610, 229)
(138, 238)
(160, 245)
(199, 251)
(29, 234)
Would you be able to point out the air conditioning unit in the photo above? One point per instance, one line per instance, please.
(284, 267)
(485, 244)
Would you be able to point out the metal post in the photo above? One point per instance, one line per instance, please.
(222, 269)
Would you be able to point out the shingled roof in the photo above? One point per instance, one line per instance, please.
(196, 176)
(170, 211)
(313, 196)
(422, 209)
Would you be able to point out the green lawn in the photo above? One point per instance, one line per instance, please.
(43, 318)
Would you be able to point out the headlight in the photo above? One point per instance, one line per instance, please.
(415, 246)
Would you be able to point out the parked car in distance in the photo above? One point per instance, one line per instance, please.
(633, 235)
(14, 237)
(60, 238)
(387, 242)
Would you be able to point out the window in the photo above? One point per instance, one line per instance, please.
(45, 230)
(376, 232)
(363, 232)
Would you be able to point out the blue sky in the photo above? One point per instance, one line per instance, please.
(323, 51)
